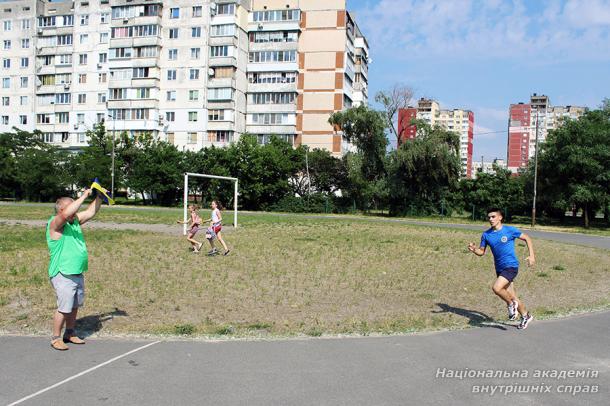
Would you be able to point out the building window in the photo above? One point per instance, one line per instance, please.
(192, 116)
(65, 59)
(222, 30)
(103, 37)
(220, 93)
(25, 62)
(62, 118)
(4, 120)
(220, 136)
(23, 120)
(219, 51)
(101, 97)
(197, 11)
(274, 36)
(272, 98)
(23, 100)
(216, 115)
(102, 77)
(84, 19)
(170, 116)
(174, 12)
(225, 9)
(191, 138)
(82, 59)
(25, 43)
(7, 44)
(193, 95)
(140, 72)
(63, 98)
(84, 38)
(172, 54)
(8, 25)
(6, 101)
(223, 72)
(6, 63)
(269, 118)
(68, 20)
(82, 98)
(143, 93)
(173, 33)
(24, 82)
(6, 83)
(63, 40)
(171, 95)
(104, 17)
(194, 74)
(170, 138)
(80, 118)
(102, 58)
(272, 56)
(171, 74)
(277, 15)
(196, 32)
(272, 77)
(82, 78)
(195, 53)
(25, 24)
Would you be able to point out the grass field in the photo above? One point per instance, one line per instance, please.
(289, 275)
(156, 215)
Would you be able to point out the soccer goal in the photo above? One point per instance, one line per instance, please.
(203, 175)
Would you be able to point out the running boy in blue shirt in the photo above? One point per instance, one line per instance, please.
(501, 240)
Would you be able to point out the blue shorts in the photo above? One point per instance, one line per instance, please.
(508, 273)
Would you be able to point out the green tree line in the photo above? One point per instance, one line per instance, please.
(421, 177)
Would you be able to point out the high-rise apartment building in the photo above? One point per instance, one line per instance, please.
(193, 73)
(522, 127)
(457, 120)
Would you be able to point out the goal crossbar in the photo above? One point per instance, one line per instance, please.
(202, 175)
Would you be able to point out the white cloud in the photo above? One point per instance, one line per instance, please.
(505, 30)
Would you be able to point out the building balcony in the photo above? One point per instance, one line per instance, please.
(272, 108)
(120, 43)
(273, 46)
(221, 126)
(270, 129)
(220, 104)
(273, 67)
(147, 41)
(133, 104)
(222, 61)
(144, 82)
(271, 87)
(274, 26)
(219, 41)
(222, 82)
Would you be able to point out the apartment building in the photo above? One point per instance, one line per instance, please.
(193, 73)
(457, 120)
(488, 167)
(522, 123)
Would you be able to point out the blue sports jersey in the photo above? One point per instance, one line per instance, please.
(502, 244)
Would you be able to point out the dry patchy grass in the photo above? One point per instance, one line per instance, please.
(293, 276)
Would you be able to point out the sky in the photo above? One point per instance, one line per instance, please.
(483, 55)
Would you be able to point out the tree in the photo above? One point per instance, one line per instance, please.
(424, 171)
(327, 173)
(398, 97)
(95, 160)
(499, 189)
(365, 128)
(154, 167)
(574, 164)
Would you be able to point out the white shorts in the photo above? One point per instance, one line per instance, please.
(70, 291)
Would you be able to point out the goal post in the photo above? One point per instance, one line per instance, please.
(203, 175)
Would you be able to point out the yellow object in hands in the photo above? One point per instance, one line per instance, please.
(104, 192)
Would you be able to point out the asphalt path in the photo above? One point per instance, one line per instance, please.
(547, 364)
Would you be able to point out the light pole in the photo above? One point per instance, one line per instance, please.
(112, 166)
(535, 174)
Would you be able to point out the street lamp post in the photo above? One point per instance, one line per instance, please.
(535, 175)
(112, 165)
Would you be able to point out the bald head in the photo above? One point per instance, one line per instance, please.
(61, 203)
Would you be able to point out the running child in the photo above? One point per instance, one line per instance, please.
(501, 240)
(195, 221)
(215, 229)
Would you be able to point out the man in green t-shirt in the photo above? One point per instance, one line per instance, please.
(68, 262)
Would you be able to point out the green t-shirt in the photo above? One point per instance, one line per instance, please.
(69, 253)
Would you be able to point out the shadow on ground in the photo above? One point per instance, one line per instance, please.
(89, 325)
(475, 318)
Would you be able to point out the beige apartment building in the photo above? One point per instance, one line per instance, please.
(193, 73)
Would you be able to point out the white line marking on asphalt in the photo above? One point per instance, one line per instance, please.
(81, 374)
